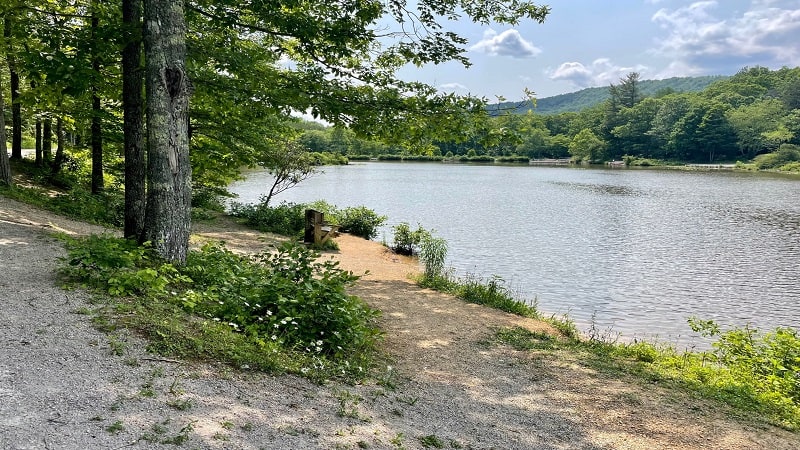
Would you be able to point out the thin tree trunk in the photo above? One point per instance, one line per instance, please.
(38, 133)
(5, 166)
(133, 123)
(167, 216)
(16, 111)
(47, 140)
(38, 141)
(97, 126)
(58, 161)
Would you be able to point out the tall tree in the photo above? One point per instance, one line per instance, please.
(5, 166)
(16, 107)
(133, 123)
(97, 110)
(167, 213)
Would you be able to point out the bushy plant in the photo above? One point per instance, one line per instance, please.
(786, 154)
(406, 241)
(283, 303)
(287, 218)
(285, 296)
(105, 208)
(433, 253)
(360, 221)
(119, 267)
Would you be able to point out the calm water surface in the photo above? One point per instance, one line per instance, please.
(635, 252)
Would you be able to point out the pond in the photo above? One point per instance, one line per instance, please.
(628, 252)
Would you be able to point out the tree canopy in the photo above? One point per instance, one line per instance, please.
(248, 67)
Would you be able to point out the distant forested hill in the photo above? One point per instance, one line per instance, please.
(585, 98)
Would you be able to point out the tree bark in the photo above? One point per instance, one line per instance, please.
(5, 166)
(47, 139)
(97, 126)
(38, 154)
(167, 213)
(16, 110)
(58, 161)
(133, 123)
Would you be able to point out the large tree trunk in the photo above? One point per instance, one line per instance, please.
(5, 167)
(167, 214)
(133, 115)
(97, 126)
(16, 111)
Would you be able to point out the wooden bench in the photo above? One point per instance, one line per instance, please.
(317, 231)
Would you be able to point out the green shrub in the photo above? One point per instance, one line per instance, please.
(287, 218)
(327, 159)
(105, 208)
(118, 267)
(360, 221)
(285, 296)
(791, 167)
(275, 310)
(432, 253)
(209, 197)
(406, 241)
(786, 154)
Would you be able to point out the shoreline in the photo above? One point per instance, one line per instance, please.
(450, 380)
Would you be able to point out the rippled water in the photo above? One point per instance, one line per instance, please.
(636, 252)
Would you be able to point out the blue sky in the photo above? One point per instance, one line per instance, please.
(585, 43)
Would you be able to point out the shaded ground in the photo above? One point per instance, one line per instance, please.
(65, 385)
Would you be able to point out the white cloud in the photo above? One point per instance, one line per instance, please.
(452, 87)
(699, 38)
(507, 43)
(601, 72)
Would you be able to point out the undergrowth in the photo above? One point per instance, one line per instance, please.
(289, 218)
(280, 312)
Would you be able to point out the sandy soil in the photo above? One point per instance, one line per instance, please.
(65, 385)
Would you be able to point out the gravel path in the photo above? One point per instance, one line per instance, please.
(66, 385)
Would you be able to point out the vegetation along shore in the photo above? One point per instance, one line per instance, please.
(141, 310)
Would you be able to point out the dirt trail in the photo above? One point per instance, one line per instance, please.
(65, 385)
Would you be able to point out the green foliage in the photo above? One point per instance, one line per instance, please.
(633, 161)
(495, 294)
(406, 241)
(288, 297)
(586, 98)
(432, 253)
(105, 208)
(513, 159)
(287, 218)
(274, 311)
(360, 221)
(431, 441)
(784, 156)
(327, 159)
(117, 266)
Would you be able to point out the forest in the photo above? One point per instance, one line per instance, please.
(168, 101)
(751, 115)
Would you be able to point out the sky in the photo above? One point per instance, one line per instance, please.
(587, 43)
